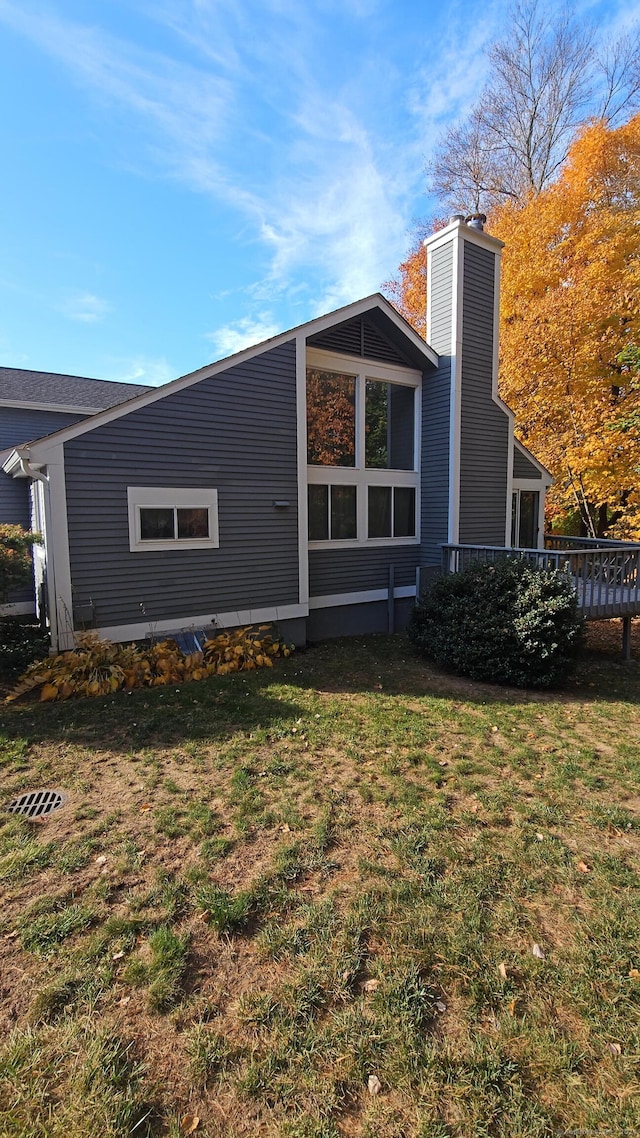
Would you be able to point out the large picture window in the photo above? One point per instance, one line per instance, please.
(172, 518)
(362, 426)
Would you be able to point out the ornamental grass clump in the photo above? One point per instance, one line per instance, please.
(509, 622)
(100, 667)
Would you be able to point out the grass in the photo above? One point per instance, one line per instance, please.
(264, 890)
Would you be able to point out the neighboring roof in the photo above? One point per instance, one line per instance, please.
(48, 390)
(421, 352)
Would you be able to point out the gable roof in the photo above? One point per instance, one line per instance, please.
(419, 351)
(51, 391)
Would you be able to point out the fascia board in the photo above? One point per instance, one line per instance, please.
(59, 408)
(210, 370)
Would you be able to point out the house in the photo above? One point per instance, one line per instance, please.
(310, 479)
(35, 403)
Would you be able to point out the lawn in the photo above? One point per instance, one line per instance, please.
(346, 896)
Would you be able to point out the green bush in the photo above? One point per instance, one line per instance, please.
(15, 558)
(509, 622)
(20, 644)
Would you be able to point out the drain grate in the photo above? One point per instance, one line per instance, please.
(36, 803)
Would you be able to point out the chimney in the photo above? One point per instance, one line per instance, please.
(463, 301)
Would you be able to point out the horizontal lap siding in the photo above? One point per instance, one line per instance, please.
(484, 440)
(522, 467)
(235, 432)
(436, 395)
(333, 571)
(23, 425)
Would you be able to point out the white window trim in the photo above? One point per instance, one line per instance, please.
(359, 475)
(176, 498)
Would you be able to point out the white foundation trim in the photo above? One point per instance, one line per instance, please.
(20, 608)
(336, 599)
(143, 630)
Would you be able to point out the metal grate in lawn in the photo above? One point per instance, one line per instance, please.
(36, 803)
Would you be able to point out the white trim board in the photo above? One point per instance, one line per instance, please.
(20, 608)
(144, 629)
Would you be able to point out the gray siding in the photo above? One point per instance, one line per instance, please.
(361, 337)
(436, 395)
(235, 431)
(334, 571)
(22, 425)
(523, 467)
(484, 439)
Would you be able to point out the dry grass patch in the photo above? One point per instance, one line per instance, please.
(266, 891)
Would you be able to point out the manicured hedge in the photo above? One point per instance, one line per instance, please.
(509, 622)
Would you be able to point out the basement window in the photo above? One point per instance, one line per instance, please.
(172, 518)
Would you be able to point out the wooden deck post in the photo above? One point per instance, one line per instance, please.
(626, 637)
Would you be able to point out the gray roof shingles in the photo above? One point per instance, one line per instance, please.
(50, 389)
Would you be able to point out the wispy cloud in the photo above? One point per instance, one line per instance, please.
(242, 103)
(153, 371)
(85, 307)
(242, 334)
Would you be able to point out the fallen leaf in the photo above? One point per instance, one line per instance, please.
(614, 1048)
(374, 1086)
(189, 1123)
(537, 952)
(441, 1006)
(117, 955)
(502, 969)
(443, 762)
(101, 860)
(145, 806)
(124, 1001)
(370, 985)
(540, 837)
(512, 1007)
(494, 730)
(583, 867)
(634, 973)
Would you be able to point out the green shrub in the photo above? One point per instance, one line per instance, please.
(15, 558)
(509, 622)
(20, 644)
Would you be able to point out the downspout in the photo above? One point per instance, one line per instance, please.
(30, 471)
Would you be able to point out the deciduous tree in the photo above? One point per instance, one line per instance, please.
(548, 75)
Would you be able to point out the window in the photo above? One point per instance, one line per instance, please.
(362, 430)
(331, 418)
(389, 425)
(332, 513)
(172, 518)
(392, 511)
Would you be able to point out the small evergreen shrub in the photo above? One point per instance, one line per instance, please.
(509, 622)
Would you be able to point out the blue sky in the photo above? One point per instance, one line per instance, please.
(181, 178)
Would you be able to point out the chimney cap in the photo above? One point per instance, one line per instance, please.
(456, 217)
(476, 221)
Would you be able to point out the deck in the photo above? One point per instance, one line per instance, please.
(605, 574)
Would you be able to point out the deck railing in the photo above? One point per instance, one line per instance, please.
(606, 577)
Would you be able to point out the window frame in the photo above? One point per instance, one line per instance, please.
(359, 475)
(175, 498)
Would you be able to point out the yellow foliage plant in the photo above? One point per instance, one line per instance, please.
(99, 667)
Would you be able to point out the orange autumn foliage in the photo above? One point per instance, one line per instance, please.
(570, 327)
